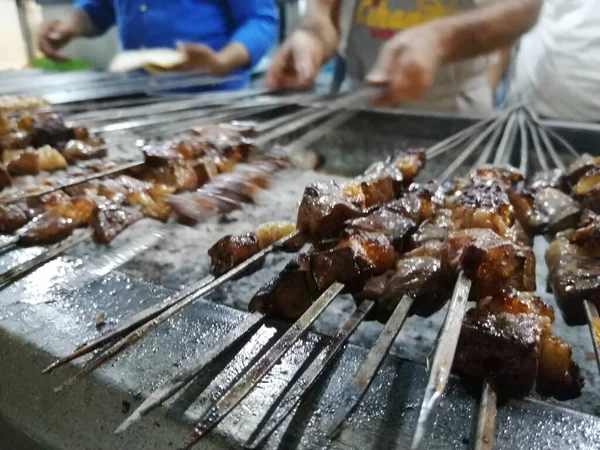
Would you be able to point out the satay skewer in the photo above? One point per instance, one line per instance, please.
(447, 341)
(591, 312)
(153, 312)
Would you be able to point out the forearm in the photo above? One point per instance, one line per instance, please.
(497, 66)
(233, 56)
(485, 29)
(321, 19)
(81, 24)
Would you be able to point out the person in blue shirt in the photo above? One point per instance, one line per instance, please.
(221, 36)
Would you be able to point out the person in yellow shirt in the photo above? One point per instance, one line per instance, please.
(430, 54)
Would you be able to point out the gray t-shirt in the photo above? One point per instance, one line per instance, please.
(367, 24)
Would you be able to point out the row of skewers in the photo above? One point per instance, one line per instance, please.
(230, 259)
(485, 226)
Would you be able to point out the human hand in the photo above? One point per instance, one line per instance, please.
(408, 64)
(200, 56)
(297, 62)
(53, 36)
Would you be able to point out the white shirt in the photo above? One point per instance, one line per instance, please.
(557, 68)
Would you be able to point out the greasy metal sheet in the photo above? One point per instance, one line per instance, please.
(55, 320)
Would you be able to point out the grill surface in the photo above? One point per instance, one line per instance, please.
(82, 284)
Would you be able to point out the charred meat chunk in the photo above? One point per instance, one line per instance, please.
(394, 226)
(502, 347)
(550, 178)
(232, 250)
(526, 210)
(5, 179)
(580, 166)
(15, 140)
(45, 229)
(558, 374)
(574, 276)
(410, 206)
(160, 154)
(483, 206)
(431, 195)
(492, 263)
(380, 184)
(409, 162)
(110, 220)
(587, 182)
(289, 294)
(324, 209)
(434, 229)
(587, 236)
(426, 279)
(504, 175)
(12, 217)
(560, 210)
(355, 258)
(76, 150)
(77, 209)
(50, 130)
(591, 200)
(178, 174)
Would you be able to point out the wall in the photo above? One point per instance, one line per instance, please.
(14, 52)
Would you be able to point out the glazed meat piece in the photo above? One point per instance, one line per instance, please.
(550, 178)
(230, 251)
(483, 206)
(190, 148)
(77, 209)
(558, 374)
(5, 125)
(30, 161)
(492, 263)
(431, 196)
(178, 174)
(591, 200)
(50, 130)
(381, 183)
(12, 217)
(394, 226)
(409, 206)
(516, 328)
(121, 185)
(560, 210)
(409, 162)
(574, 276)
(160, 154)
(110, 220)
(21, 162)
(76, 150)
(324, 209)
(5, 179)
(233, 186)
(587, 236)
(504, 175)
(526, 210)
(205, 169)
(588, 181)
(426, 279)
(46, 229)
(503, 347)
(194, 207)
(289, 294)
(355, 258)
(155, 207)
(580, 166)
(434, 229)
(15, 140)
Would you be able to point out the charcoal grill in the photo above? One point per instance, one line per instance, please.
(83, 283)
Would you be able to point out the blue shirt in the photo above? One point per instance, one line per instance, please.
(216, 23)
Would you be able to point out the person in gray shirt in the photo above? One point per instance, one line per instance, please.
(429, 54)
